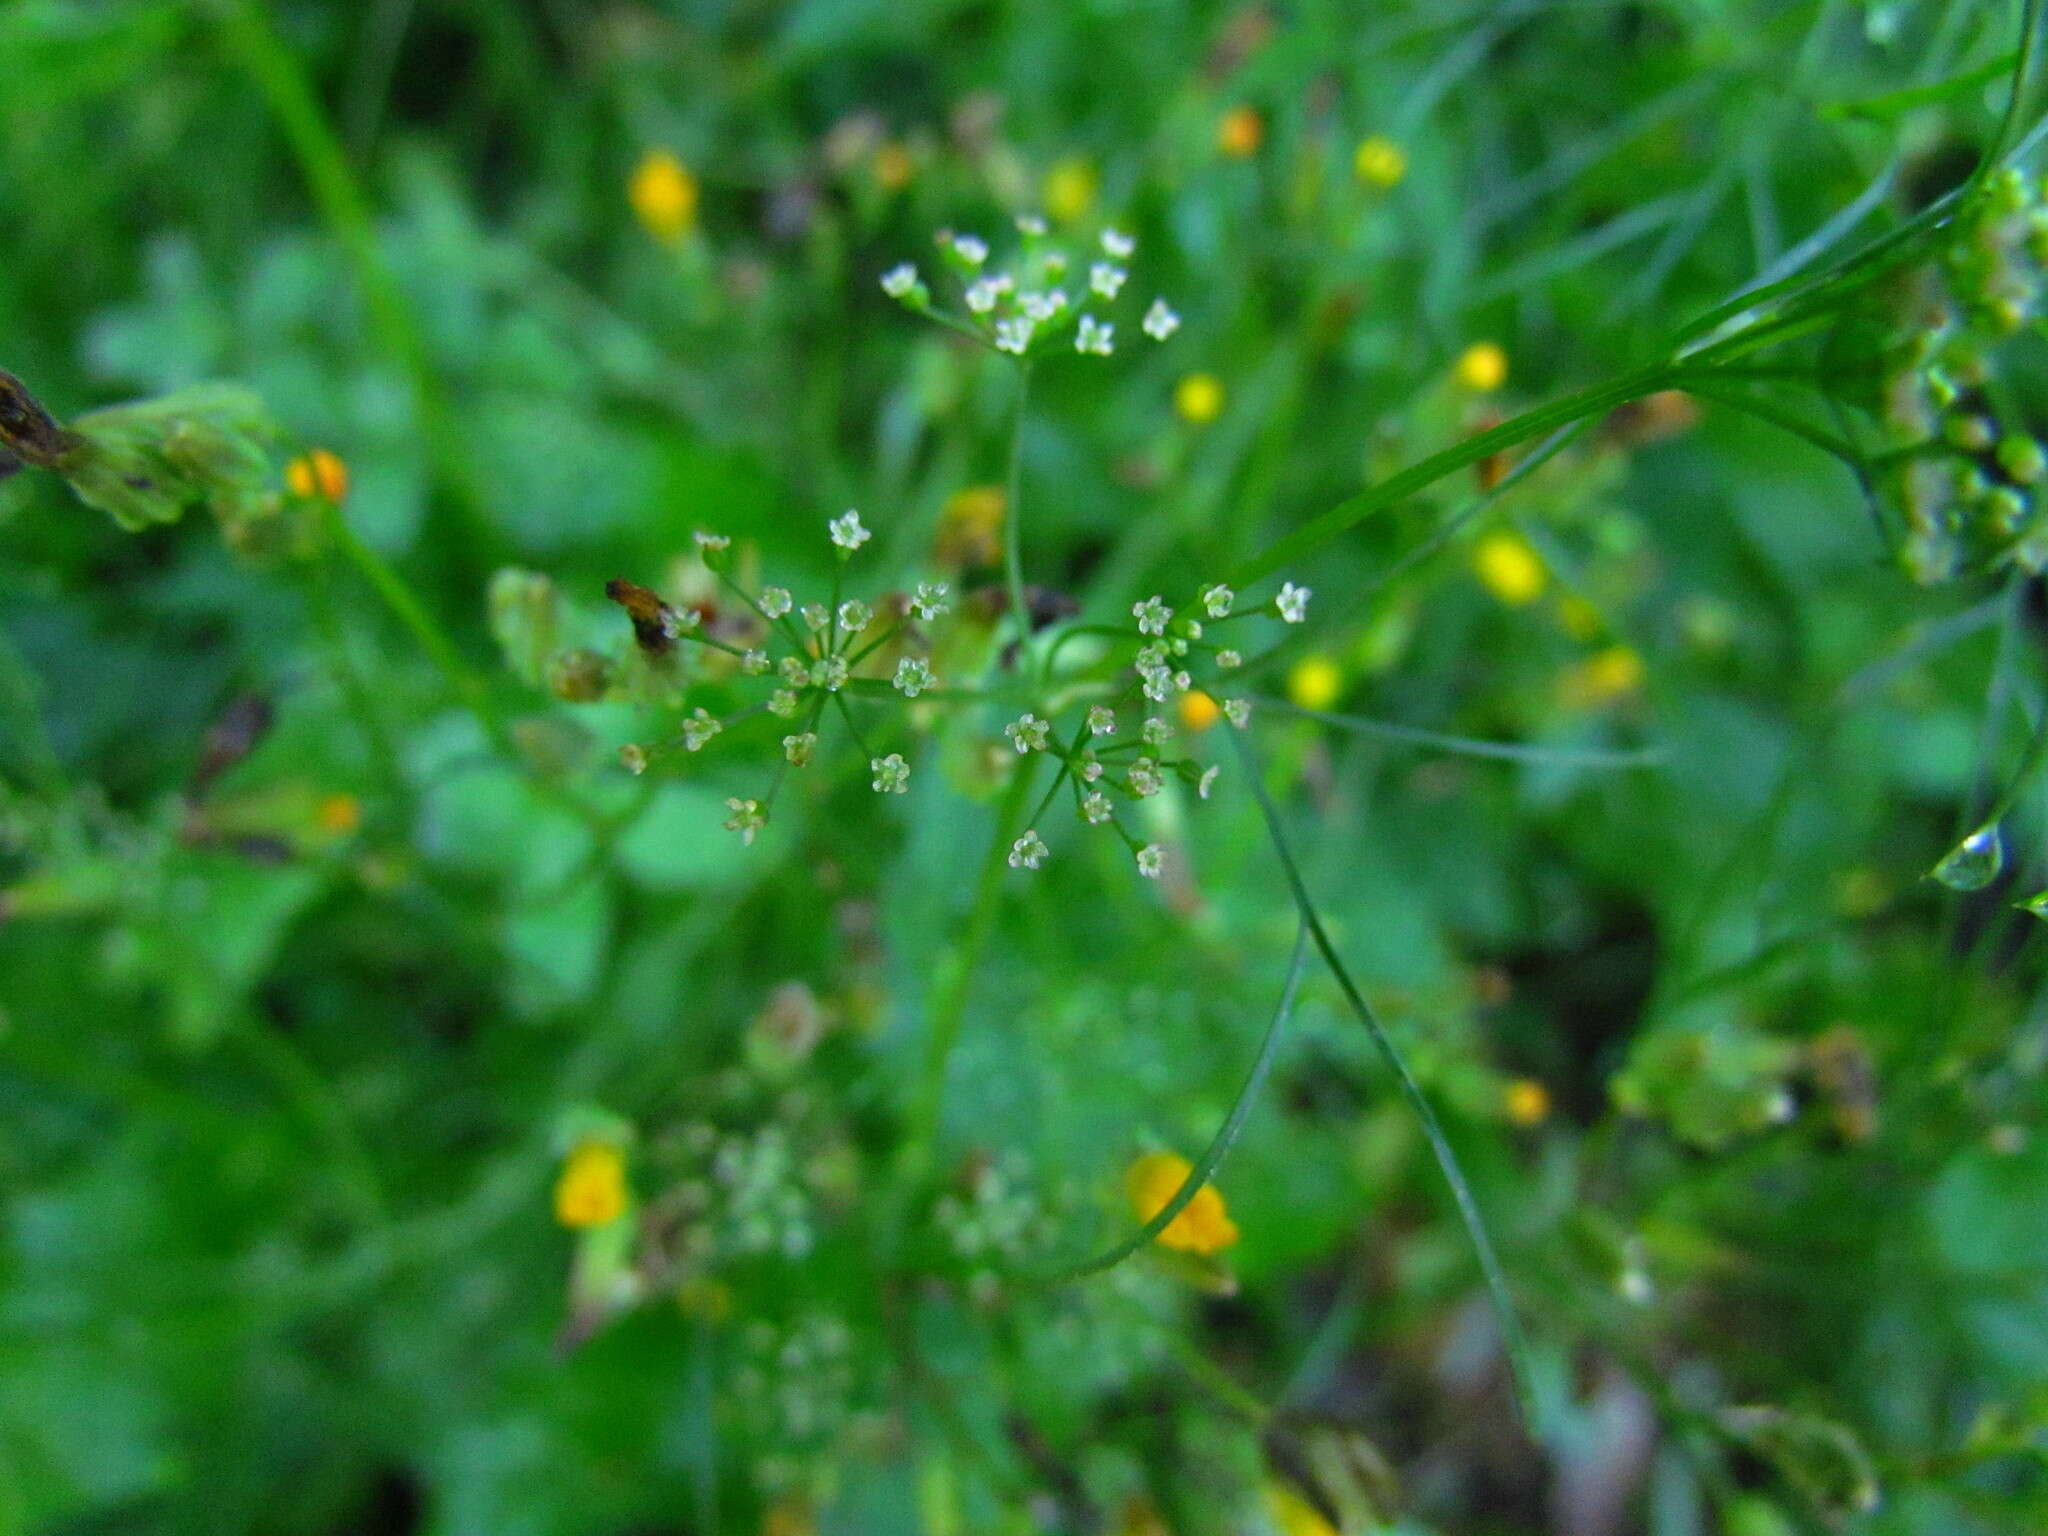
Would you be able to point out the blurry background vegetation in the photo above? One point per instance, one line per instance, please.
(301, 982)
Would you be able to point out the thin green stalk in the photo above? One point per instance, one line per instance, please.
(1472, 746)
(956, 975)
(1513, 1341)
(250, 36)
(1219, 1146)
(1013, 519)
(1352, 511)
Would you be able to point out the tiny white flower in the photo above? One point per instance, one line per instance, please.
(783, 704)
(892, 774)
(1159, 685)
(1183, 681)
(1055, 262)
(1144, 778)
(1152, 615)
(1151, 861)
(1028, 733)
(899, 280)
(698, 729)
(775, 601)
(1216, 600)
(633, 758)
(1151, 656)
(754, 663)
(1095, 808)
(855, 615)
(1229, 659)
(1090, 770)
(1101, 720)
(913, 676)
(1106, 278)
(1028, 852)
(1208, 779)
(1160, 321)
(1095, 336)
(1293, 602)
(847, 532)
(1030, 224)
(1238, 712)
(982, 294)
(1040, 307)
(794, 672)
(971, 249)
(830, 674)
(1118, 244)
(930, 599)
(712, 543)
(798, 748)
(1013, 335)
(1157, 732)
(817, 616)
(747, 818)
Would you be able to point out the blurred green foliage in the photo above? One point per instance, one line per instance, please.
(326, 935)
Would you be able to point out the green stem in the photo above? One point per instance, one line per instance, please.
(1219, 1146)
(1013, 519)
(1513, 1341)
(956, 976)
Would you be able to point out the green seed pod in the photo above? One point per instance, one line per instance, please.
(2022, 458)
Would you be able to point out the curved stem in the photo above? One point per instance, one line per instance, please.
(1513, 1341)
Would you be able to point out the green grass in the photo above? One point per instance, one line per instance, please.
(1625, 1131)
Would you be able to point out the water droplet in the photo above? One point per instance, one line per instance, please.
(1974, 862)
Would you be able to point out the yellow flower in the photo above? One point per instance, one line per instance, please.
(1315, 682)
(1199, 398)
(893, 167)
(339, 814)
(1526, 1101)
(1069, 190)
(1511, 570)
(1203, 1226)
(318, 473)
(1380, 163)
(664, 196)
(1483, 367)
(1293, 1515)
(592, 1189)
(1240, 132)
(970, 527)
(1198, 711)
(1604, 677)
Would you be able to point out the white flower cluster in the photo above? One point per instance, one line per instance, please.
(1028, 307)
(1103, 767)
(822, 644)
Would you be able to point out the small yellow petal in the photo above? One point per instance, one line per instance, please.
(1203, 1225)
(318, 473)
(1069, 190)
(1511, 570)
(1315, 682)
(1380, 162)
(1526, 1101)
(1483, 367)
(1199, 398)
(1240, 132)
(664, 196)
(591, 1191)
